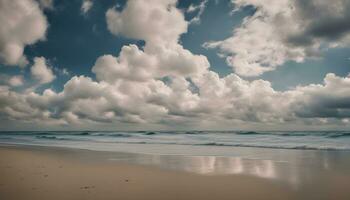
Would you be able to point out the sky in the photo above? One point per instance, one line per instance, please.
(174, 65)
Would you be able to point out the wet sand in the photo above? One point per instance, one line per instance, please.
(54, 173)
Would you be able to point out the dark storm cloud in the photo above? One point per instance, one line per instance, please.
(326, 107)
(328, 20)
(329, 101)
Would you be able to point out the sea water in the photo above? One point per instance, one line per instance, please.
(297, 158)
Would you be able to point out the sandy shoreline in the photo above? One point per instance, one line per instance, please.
(41, 173)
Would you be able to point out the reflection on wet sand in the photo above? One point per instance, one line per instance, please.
(222, 165)
(211, 165)
(296, 168)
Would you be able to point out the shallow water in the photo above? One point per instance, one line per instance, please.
(293, 157)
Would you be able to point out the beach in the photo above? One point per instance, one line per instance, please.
(61, 173)
(175, 100)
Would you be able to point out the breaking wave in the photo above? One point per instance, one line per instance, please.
(312, 140)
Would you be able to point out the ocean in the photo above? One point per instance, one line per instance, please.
(181, 142)
(295, 158)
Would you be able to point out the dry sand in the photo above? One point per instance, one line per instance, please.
(33, 174)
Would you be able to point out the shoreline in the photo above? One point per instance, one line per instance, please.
(238, 147)
(28, 172)
(63, 174)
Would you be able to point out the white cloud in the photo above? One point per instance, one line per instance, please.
(16, 81)
(41, 72)
(22, 23)
(156, 22)
(284, 30)
(86, 6)
(65, 72)
(229, 99)
(163, 83)
(160, 24)
(15, 106)
(200, 10)
(61, 71)
(11, 81)
(135, 64)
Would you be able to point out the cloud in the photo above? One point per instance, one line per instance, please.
(12, 81)
(157, 21)
(86, 6)
(137, 65)
(159, 24)
(61, 71)
(204, 99)
(200, 10)
(41, 72)
(16, 81)
(46, 4)
(330, 100)
(22, 23)
(164, 84)
(284, 30)
(15, 106)
(324, 23)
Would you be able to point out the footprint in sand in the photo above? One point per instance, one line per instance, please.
(87, 187)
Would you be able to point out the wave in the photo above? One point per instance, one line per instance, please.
(324, 134)
(298, 134)
(51, 137)
(302, 147)
(309, 144)
(84, 133)
(293, 134)
(338, 135)
(250, 133)
(110, 134)
(150, 133)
